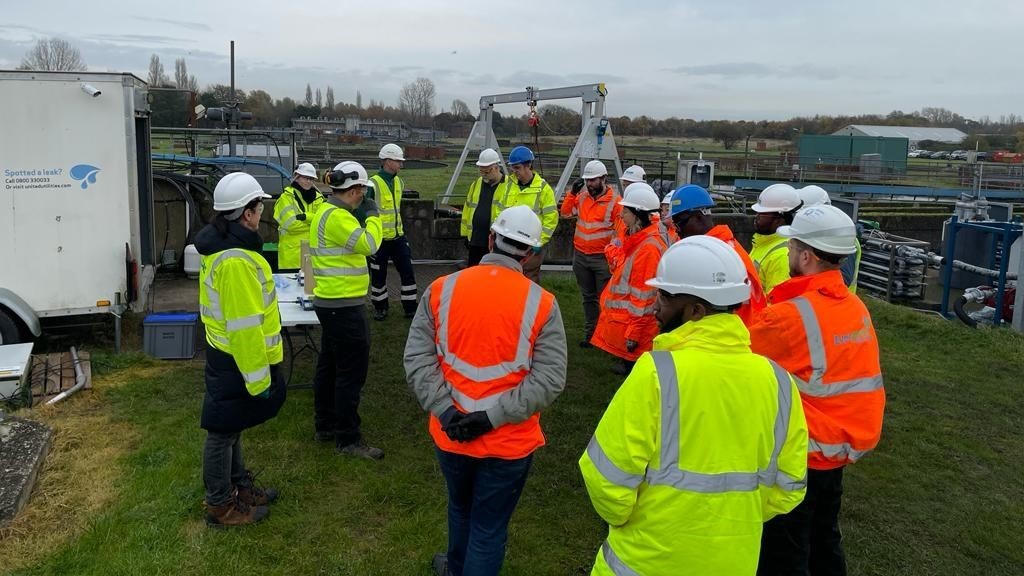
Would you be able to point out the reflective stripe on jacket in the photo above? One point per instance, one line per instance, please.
(538, 195)
(627, 302)
(339, 247)
(517, 374)
(238, 305)
(389, 202)
(750, 309)
(595, 218)
(469, 208)
(291, 231)
(770, 253)
(702, 443)
(823, 335)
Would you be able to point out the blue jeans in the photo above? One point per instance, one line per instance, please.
(482, 494)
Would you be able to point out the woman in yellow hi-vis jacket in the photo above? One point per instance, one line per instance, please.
(705, 440)
(244, 387)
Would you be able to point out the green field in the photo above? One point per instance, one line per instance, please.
(121, 491)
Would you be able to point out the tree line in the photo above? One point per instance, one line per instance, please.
(416, 106)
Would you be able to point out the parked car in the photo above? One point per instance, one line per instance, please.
(918, 154)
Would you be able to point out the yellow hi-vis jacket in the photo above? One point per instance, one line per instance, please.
(290, 230)
(770, 253)
(238, 305)
(338, 247)
(702, 443)
(390, 204)
(473, 199)
(538, 195)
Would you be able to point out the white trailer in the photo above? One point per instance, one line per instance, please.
(76, 198)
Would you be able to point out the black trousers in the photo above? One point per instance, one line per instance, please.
(396, 249)
(341, 371)
(807, 541)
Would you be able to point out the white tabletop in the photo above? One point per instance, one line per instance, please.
(14, 359)
(288, 292)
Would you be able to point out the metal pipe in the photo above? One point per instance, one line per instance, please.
(80, 380)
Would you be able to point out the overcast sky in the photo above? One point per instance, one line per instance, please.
(734, 59)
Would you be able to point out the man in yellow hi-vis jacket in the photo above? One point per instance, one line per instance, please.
(705, 440)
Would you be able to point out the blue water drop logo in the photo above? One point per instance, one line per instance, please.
(85, 173)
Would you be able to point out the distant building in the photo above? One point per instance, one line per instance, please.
(914, 134)
(369, 127)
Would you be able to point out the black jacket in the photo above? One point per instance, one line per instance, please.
(227, 405)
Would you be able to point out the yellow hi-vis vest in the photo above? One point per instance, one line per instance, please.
(290, 230)
(770, 254)
(701, 444)
(338, 247)
(538, 195)
(472, 200)
(390, 204)
(238, 304)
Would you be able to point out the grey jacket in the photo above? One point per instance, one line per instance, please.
(537, 391)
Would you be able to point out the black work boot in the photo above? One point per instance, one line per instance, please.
(440, 564)
(323, 436)
(380, 314)
(361, 449)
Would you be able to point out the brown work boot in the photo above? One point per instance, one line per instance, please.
(234, 513)
(252, 494)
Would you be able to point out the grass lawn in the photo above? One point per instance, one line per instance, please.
(121, 492)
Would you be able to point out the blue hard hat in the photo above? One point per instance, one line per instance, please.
(690, 197)
(520, 155)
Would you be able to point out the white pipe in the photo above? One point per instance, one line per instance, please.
(80, 380)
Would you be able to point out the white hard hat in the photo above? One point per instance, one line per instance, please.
(825, 227)
(346, 175)
(488, 157)
(236, 190)
(814, 196)
(667, 200)
(594, 169)
(705, 267)
(779, 198)
(517, 223)
(306, 169)
(391, 152)
(640, 196)
(634, 174)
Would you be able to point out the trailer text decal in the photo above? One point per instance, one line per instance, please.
(50, 178)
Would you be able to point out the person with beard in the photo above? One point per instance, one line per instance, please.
(691, 215)
(597, 211)
(775, 207)
(823, 334)
(244, 385)
(479, 209)
(705, 440)
(293, 210)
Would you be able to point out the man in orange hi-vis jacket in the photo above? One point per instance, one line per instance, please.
(823, 335)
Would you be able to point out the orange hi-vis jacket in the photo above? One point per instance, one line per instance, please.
(595, 218)
(510, 309)
(627, 303)
(750, 309)
(822, 334)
